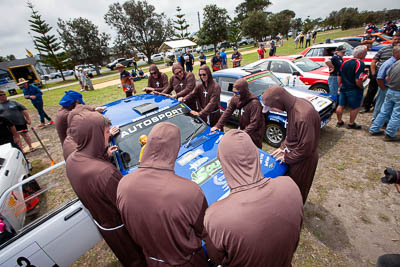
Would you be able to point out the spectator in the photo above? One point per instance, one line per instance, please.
(182, 83)
(88, 81)
(83, 79)
(78, 76)
(301, 41)
(207, 95)
(314, 36)
(95, 181)
(135, 76)
(308, 39)
(381, 80)
(368, 39)
(189, 60)
(33, 93)
(202, 58)
(18, 116)
(334, 64)
(351, 77)
(8, 133)
(181, 59)
(168, 227)
(259, 222)
(216, 62)
(236, 58)
(390, 110)
(251, 119)
(296, 40)
(158, 81)
(261, 51)
(126, 80)
(224, 59)
(272, 49)
(381, 56)
(134, 64)
(300, 148)
(141, 74)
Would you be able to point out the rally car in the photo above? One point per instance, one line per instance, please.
(65, 232)
(259, 81)
(295, 71)
(322, 52)
(356, 41)
(381, 38)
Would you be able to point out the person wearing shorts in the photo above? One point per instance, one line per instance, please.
(351, 77)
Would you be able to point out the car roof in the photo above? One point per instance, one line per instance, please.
(329, 45)
(348, 37)
(121, 112)
(288, 57)
(237, 73)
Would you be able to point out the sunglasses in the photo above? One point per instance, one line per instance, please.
(236, 93)
(152, 73)
(202, 74)
(2, 94)
(179, 72)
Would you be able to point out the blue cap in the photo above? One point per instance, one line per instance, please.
(70, 97)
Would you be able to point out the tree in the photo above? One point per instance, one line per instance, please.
(7, 58)
(234, 31)
(244, 8)
(256, 25)
(139, 24)
(47, 44)
(215, 27)
(82, 39)
(181, 25)
(122, 48)
(281, 21)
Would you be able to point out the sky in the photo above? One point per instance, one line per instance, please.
(14, 25)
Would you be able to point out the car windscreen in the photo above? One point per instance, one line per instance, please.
(128, 138)
(387, 37)
(260, 82)
(306, 64)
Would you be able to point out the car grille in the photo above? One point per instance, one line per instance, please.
(328, 111)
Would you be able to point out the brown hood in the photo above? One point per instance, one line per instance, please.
(239, 159)
(277, 97)
(243, 87)
(87, 129)
(162, 147)
(154, 68)
(209, 75)
(176, 67)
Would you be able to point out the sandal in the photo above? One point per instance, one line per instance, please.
(32, 149)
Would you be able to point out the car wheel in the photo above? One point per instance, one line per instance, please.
(274, 134)
(323, 88)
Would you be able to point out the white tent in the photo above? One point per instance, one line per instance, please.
(177, 44)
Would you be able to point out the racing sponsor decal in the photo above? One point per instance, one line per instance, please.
(195, 165)
(220, 181)
(206, 171)
(189, 156)
(151, 120)
(258, 76)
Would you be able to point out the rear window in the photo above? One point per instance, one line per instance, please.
(260, 82)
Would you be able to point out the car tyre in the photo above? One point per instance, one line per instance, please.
(323, 88)
(274, 134)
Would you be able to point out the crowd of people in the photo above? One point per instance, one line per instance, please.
(309, 35)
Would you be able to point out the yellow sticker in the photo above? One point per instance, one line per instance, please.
(11, 202)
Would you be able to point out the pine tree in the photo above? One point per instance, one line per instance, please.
(181, 25)
(46, 43)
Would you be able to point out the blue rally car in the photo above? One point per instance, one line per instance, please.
(197, 159)
(259, 81)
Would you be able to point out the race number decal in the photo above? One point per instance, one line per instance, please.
(31, 256)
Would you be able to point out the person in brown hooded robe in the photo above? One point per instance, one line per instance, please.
(157, 82)
(163, 212)
(300, 148)
(207, 96)
(250, 117)
(182, 83)
(259, 223)
(95, 182)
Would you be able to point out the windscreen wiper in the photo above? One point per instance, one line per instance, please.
(192, 136)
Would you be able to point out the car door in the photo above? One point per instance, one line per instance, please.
(316, 54)
(226, 84)
(282, 70)
(57, 229)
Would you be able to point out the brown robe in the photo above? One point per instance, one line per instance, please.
(95, 182)
(207, 98)
(160, 83)
(182, 87)
(302, 135)
(251, 119)
(163, 212)
(259, 223)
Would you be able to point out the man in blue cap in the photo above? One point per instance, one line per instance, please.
(68, 102)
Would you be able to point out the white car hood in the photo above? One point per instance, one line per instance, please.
(319, 102)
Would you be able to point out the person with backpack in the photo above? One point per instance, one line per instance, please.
(250, 117)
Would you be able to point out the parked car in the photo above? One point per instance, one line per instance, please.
(140, 55)
(380, 37)
(295, 71)
(224, 44)
(66, 73)
(321, 52)
(259, 81)
(356, 41)
(124, 61)
(65, 230)
(157, 57)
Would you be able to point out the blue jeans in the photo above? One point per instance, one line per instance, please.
(390, 111)
(333, 85)
(42, 114)
(379, 102)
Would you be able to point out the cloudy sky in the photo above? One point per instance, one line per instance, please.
(14, 25)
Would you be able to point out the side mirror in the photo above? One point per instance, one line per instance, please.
(296, 73)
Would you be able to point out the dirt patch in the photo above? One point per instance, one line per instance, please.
(350, 218)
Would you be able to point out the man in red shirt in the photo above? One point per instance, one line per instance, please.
(261, 51)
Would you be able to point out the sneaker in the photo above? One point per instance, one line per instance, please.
(353, 126)
(388, 138)
(41, 125)
(82, 90)
(339, 124)
(50, 123)
(365, 110)
(376, 133)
